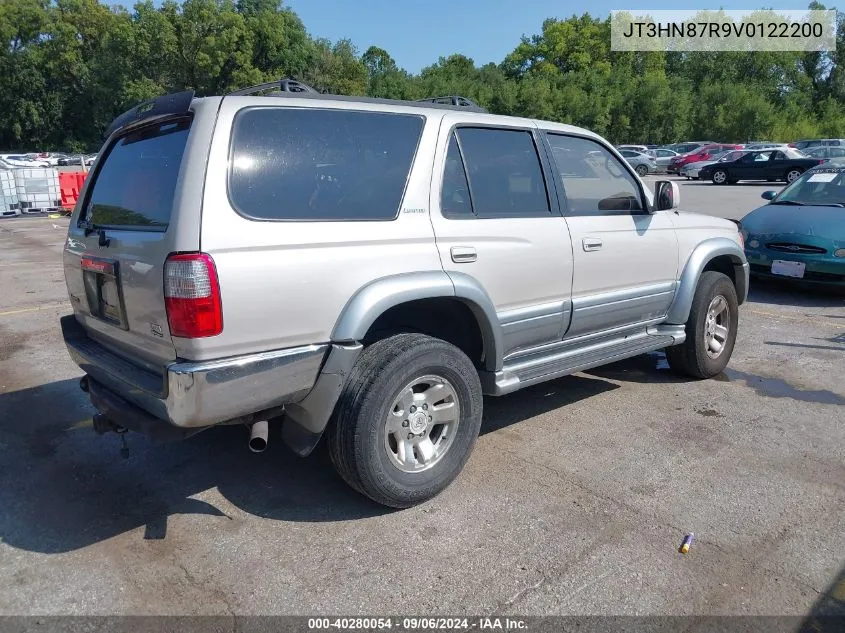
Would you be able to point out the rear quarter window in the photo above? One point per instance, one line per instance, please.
(320, 164)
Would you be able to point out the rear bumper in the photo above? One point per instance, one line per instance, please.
(196, 394)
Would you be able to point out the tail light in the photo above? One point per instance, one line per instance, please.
(192, 296)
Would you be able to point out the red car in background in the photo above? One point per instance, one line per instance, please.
(703, 153)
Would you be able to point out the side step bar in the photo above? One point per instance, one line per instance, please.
(569, 357)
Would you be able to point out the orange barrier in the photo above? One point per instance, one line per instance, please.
(70, 183)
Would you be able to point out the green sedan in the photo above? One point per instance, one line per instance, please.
(800, 233)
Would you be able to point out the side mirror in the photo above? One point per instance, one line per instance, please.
(667, 195)
(768, 195)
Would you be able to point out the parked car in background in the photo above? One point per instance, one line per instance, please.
(705, 153)
(687, 147)
(77, 160)
(21, 160)
(825, 151)
(642, 163)
(662, 157)
(54, 159)
(762, 164)
(816, 142)
(637, 148)
(691, 171)
(765, 145)
(800, 233)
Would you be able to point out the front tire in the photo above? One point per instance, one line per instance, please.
(720, 177)
(407, 419)
(792, 175)
(711, 329)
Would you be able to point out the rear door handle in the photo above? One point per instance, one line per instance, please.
(591, 243)
(463, 254)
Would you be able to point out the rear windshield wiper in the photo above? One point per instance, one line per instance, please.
(88, 226)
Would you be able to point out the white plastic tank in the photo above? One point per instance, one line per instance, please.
(9, 204)
(38, 189)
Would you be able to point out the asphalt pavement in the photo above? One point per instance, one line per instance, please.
(575, 500)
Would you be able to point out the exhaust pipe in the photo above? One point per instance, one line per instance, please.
(258, 436)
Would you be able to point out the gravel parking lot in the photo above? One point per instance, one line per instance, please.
(574, 502)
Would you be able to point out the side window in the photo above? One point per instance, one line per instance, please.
(778, 156)
(594, 181)
(503, 170)
(454, 194)
(313, 164)
(756, 157)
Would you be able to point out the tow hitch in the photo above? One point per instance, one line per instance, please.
(103, 425)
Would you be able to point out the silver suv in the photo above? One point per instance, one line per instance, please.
(368, 269)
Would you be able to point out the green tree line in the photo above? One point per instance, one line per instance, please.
(70, 66)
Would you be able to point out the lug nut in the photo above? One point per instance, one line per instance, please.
(425, 406)
(413, 408)
(405, 423)
(410, 436)
(430, 418)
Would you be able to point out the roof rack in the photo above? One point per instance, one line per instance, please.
(294, 88)
(283, 85)
(454, 100)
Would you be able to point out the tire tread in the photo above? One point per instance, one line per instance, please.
(346, 434)
(689, 357)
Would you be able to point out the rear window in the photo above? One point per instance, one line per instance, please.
(311, 164)
(136, 180)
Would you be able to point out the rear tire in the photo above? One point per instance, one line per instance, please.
(642, 170)
(714, 306)
(384, 439)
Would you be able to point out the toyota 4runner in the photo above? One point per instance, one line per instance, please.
(368, 269)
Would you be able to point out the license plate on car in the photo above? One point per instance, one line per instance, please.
(788, 269)
(102, 287)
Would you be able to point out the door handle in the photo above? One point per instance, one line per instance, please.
(591, 243)
(463, 254)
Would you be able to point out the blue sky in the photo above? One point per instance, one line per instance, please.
(417, 32)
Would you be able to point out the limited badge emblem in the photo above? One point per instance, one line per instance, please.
(156, 329)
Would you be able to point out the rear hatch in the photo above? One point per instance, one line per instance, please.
(121, 233)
